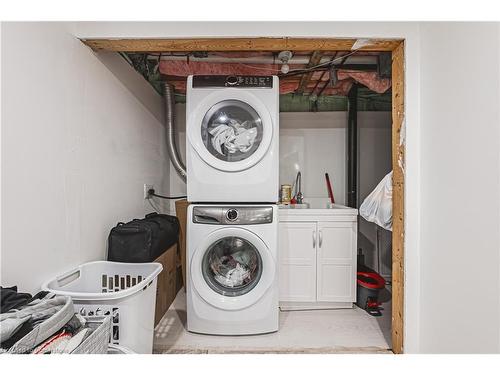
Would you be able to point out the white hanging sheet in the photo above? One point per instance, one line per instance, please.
(377, 207)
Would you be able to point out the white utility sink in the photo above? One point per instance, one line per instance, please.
(316, 206)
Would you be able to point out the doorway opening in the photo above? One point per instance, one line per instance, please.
(328, 74)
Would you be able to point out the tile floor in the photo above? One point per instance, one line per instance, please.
(316, 331)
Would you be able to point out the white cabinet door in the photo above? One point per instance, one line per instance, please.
(297, 259)
(336, 262)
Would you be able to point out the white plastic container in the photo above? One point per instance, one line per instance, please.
(125, 291)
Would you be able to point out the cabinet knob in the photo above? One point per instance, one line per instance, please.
(320, 238)
(314, 238)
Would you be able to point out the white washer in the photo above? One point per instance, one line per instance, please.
(232, 132)
(232, 276)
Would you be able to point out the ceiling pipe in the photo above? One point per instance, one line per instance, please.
(171, 130)
(295, 60)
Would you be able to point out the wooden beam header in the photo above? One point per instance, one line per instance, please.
(237, 44)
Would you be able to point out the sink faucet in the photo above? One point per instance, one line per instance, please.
(299, 197)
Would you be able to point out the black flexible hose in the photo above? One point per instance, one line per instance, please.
(152, 193)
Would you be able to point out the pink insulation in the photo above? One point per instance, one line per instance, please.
(369, 79)
(183, 68)
(179, 70)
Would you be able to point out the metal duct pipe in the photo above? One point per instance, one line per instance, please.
(171, 131)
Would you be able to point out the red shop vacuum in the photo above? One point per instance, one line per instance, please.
(369, 285)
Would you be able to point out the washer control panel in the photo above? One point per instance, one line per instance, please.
(233, 81)
(241, 215)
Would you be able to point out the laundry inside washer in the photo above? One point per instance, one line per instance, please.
(232, 266)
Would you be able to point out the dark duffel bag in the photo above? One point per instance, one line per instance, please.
(142, 240)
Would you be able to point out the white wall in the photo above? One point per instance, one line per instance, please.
(77, 147)
(314, 144)
(460, 97)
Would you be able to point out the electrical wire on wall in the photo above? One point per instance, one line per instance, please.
(152, 193)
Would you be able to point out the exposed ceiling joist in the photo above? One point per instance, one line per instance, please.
(322, 75)
(237, 44)
(327, 82)
(304, 80)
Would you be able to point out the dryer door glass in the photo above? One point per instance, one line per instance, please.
(232, 266)
(232, 130)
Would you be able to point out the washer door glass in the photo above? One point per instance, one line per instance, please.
(232, 266)
(232, 130)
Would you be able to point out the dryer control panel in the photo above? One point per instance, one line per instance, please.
(233, 81)
(237, 215)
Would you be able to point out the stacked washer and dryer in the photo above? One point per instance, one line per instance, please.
(232, 125)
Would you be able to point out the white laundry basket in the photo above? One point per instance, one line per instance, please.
(124, 291)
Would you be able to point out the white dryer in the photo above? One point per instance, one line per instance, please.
(232, 273)
(232, 132)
